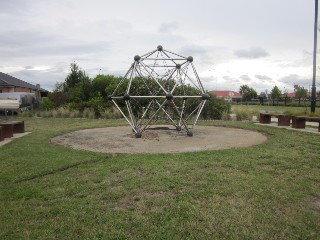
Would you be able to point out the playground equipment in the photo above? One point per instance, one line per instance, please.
(160, 85)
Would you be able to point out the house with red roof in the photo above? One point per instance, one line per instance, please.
(229, 96)
(290, 95)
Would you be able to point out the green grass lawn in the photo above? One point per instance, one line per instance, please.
(276, 109)
(270, 191)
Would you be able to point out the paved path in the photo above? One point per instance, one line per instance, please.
(15, 135)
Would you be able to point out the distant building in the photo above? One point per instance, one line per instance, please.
(9, 84)
(229, 96)
(290, 95)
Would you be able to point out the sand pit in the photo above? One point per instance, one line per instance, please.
(159, 139)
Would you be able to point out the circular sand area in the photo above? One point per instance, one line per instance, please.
(159, 139)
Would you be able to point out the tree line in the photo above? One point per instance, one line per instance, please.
(275, 95)
(79, 92)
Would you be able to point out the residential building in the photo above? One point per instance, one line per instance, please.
(9, 84)
(229, 96)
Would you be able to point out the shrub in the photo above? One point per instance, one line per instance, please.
(47, 104)
(75, 114)
(27, 113)
(46, 114)
(243, 115)
(55, 113)
(226, 116)
(215, 108)
(111, 113)
(64, 112)
(88, 113)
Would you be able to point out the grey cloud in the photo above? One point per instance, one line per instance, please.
(46, 78)
(33, 44)
(231, 79)
(228, 78)
(201, 54)
(24, 38)
(193, 50)
(293, 79)
(263, 77)
(28, 67)
(14, 6)
(296, 79)
(168, 27)
(251, 53)
(245, 78)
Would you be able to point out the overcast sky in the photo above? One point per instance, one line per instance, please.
(261, 43)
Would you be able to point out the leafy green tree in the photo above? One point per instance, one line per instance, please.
(78, 92)
(300, 92)
(77, 88)
(47, 104)
(215, 107)
(98, 104)
(275, 94)
(247, 93)
(74, 77)
(58, 97)
(104, 85)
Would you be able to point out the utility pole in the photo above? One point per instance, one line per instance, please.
(313, 90)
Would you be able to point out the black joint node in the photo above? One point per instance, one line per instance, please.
(137, 58)
(178, 128)
(178, 66)
(205, 96)
(126, 97)
(138, 135)
(190, 59)
(110, 97)
(160, 48)
(169, 96)
(190, 133)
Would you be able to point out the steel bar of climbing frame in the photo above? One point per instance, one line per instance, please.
(154, 114)
(114, 102)
(198, 114)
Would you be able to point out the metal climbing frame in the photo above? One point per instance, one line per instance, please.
(160, 85)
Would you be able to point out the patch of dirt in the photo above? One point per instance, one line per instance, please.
(161, 139)
(316, 203)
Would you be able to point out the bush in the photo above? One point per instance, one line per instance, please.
(88, 113)
(226, 116)
(55, 113)
(46, 114)
(27, 113)
(111, 113)
(242, 115)
(75, 114)
(215, 108)
(47, 104)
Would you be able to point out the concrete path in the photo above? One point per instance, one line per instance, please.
(15, 136)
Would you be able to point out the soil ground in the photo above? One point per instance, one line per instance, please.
(159, 139)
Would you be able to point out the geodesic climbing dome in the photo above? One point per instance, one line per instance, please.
(160, 85)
